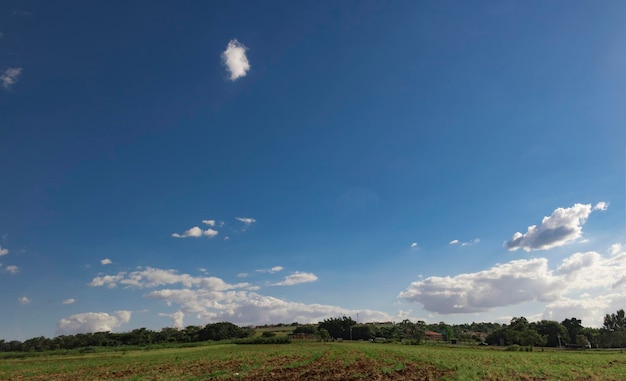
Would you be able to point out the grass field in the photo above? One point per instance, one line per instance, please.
(316, 361)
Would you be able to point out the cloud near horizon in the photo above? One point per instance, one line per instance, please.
(235, 59)
(563, 226)
(563, 289)
(92, 322)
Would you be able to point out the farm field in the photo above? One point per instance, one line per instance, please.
(316, 361)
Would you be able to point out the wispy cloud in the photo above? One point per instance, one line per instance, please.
(234, 57)
(24, 300)
(3, 251)
(454, 242)
(563, 226)
(12, 269)
(297, 278)
(414, 245)
(92, 322)
(10, 76)
(246, 220)
(209, 222)
(471, 242)
(105, 261)
(272, 270)
(69, 301)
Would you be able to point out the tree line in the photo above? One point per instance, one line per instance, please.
(568, 333)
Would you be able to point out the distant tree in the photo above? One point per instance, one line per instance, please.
(324, 335)
(338, 328)
(574, 327)
(554, 332)
(308, 328)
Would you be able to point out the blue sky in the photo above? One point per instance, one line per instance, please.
(180, 163)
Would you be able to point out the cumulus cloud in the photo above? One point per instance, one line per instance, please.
(196, 232)
(273, 270)
(177, 318)
(92, 322)
(209, 222)
(10, 76)
(214, 300)
(297, 278)
(566, 288)
(105, 261)
(234, 57)
(24, 300)
(243, 275)
(152, 277)
(454, 242)
(502, 285)
(3, 251)
(12, 269)
(246, 220)
(616, 248)
(558, 229)
(414, 245)
(69, 301)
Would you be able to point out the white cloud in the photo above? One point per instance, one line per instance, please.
(105, 261)
(502, 285)
(10, 76)
(1, 35)
(573, 282)
(92, 322)
(243, 275)
(273, 270)
(152, 277)
(558, 229)
(209, 222)
(454, 242)
(471, 242)
(177, 318)
(297, 278)
(3, 251)
(601, 206)
(69, 301)
(196, 232)
(234, 57)
(414, 245)
(24, 300)
(12, 269)
(210, 233)
(246, 220)
(616, 248)
(193, 232)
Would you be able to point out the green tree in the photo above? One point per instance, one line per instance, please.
(574, 327)
(338, 328)
(554, 332)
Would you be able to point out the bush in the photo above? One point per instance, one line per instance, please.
(264, 340)
(513, 348)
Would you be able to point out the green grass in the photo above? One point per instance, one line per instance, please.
(312, 361)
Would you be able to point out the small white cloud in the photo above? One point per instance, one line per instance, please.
(454, 242)
(414, 245)
(10, 76)
(210, 233)
(297, 278)
(24, 300)
(203, 270)
(1, 35)
(193, 232)
(243, 275)
(558, 229)
(602, 206)
(226, 238)
(92, 322)
(69, 301)
(177, 318)
(616, 248)
(12, 269)
(209, 222)
(3, 251)
(471, 242)
(105, 261)
(273, 270)
(234, 57)
(246, 220)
